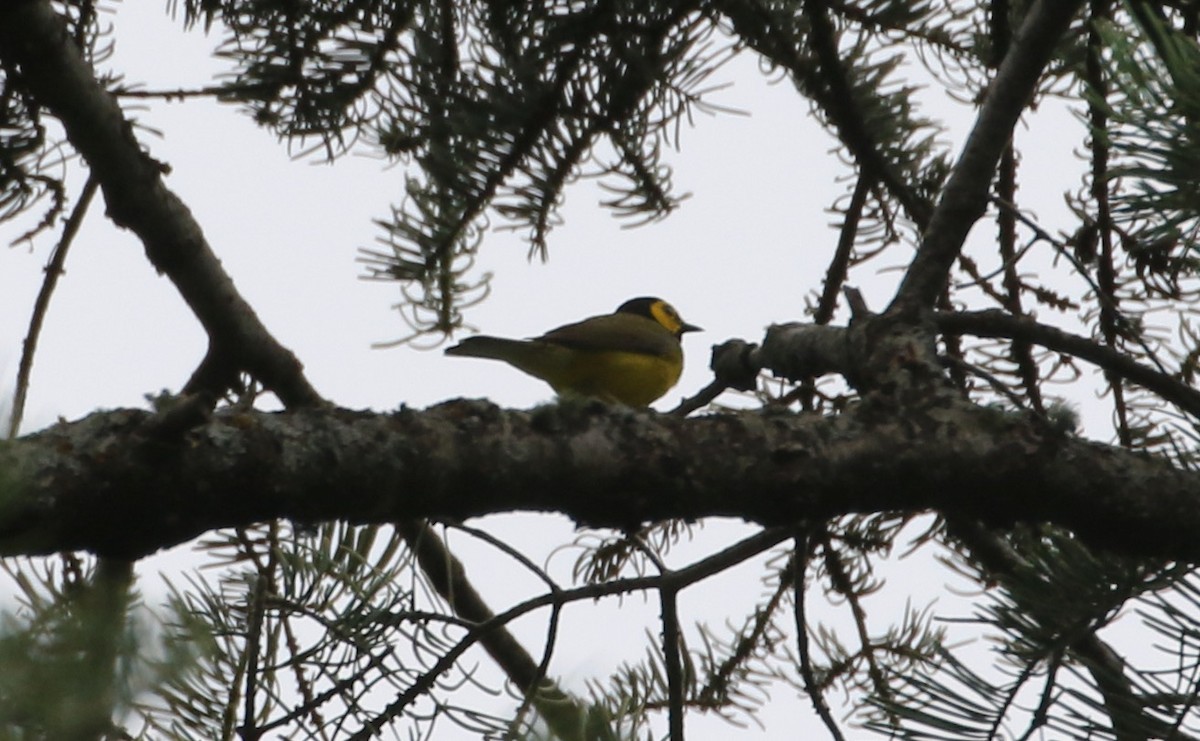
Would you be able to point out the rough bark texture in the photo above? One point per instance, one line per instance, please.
(115, 484)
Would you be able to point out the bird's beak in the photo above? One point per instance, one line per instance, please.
(685, 327)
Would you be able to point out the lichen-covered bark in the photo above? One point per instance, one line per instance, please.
(115, 484)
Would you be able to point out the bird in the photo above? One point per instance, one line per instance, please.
(631, 357)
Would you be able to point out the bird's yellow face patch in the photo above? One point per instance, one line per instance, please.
(666, 315)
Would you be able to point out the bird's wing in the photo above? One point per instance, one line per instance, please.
(623, 332)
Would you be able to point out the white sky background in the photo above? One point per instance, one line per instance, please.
(743, 252)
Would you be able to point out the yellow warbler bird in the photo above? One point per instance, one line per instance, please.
(631, 356)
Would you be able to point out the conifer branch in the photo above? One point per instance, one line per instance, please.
(964, 195)
(35, 41)
(88, 486)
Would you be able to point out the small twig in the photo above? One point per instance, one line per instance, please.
(837, 98)
(998, 324)
(309, 708)
(529, 694)
(208, 91)
(486, 630)
(54, 269)
(1040, 714)
(543, 668)
(720, 679)
(257, 613)
(671, 639)
(1007, 186)
(303, 682)
(703, 397)
(506, 548)
(799, 566)
(1102, 298)
(839, 266)
(449, 579)
(997, 385)
(841, 582)
(672, 662)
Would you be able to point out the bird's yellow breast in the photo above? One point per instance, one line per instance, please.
(631, 378)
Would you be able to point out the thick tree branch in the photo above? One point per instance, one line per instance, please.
(101, 485)
(34, 40)
(964, 196)
(801, 350)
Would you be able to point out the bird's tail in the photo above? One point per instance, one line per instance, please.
(483, 346)
(543, 360)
